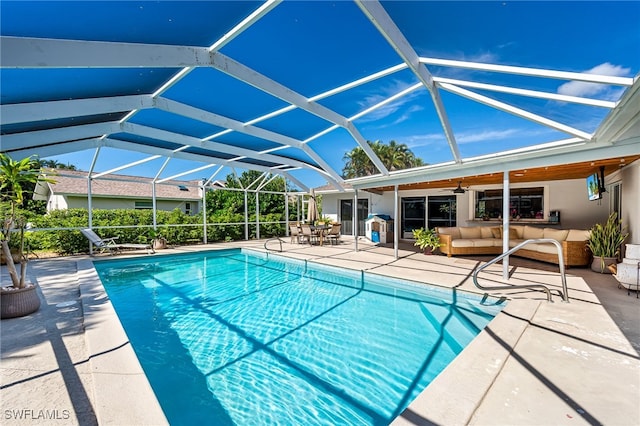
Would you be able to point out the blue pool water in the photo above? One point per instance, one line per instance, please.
(238, 338)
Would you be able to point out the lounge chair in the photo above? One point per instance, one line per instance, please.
(111, 246)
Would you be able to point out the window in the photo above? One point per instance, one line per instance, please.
(525, 203)
(187, 208)
(143, 205)
(616, 198)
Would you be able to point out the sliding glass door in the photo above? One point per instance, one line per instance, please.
(413, 215)
(346, 216)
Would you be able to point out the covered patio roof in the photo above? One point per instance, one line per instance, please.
(189, 89)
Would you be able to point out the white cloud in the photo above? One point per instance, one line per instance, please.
(416, 141)
(482, 57)
(486, 135)
(392, 108)
(581, 88)
(406, 115)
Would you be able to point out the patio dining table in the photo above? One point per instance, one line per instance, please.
(319, 230)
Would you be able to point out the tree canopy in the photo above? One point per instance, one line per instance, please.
(394, 156)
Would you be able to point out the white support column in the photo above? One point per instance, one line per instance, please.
(90, 209)
(246, 217)
(505, 223)
(154, 205)
(286, 210)
(396, 223)
(355, 218)
(204, 211)
(257, 215)
(89, 198)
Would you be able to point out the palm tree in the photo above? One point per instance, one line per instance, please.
(15, 177)
(55, 164)
(394, 156)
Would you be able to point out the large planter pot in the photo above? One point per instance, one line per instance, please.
(159, 244)
(600, 264)
(18, 302)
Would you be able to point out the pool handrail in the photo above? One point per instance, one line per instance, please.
(271, 239)
(564, 293)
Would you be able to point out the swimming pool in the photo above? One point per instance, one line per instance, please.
(239, 337)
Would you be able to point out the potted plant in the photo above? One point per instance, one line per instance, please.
(604, 242)
(20, 298)
(157, 240)
(427, 239)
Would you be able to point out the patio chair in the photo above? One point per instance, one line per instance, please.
(334, 233)
(294, 232)
(308, 234)
(111, 246)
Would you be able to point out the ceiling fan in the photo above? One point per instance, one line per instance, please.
(459, 189)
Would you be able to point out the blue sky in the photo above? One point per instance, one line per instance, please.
(313, 47)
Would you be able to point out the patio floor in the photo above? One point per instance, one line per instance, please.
(536, 363)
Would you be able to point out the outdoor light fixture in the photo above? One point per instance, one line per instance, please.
(459, 189)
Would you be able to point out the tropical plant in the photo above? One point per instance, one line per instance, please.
(426, 238)
(15, 176)
(606, 239)
(394, 156)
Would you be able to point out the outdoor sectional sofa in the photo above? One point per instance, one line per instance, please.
(476, 240)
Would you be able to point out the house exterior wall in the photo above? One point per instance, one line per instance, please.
(60, 202)
(631, 201)
(569, 197)
(57, 202)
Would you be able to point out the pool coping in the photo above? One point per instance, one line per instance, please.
(117, 374)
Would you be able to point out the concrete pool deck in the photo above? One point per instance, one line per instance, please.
(535, 363)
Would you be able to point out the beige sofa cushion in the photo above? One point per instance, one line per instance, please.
(578, 235)
(531, 232)
(542, 248)
(461, 242)
(454, 231)
(485, 232)
(486, 242)
(467, 232)
(515, 232)
(497, 232)
(518, 229)
(556, 234)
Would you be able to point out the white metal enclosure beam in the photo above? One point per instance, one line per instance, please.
(51, 136)
(253, 78)
(534, 72)
(52, 110)
(152, 132)
(130, 146)
(298, 182)
(529, 93)
(237, 126)
(389, 30)
(31, 52)
(44, 151)
(516, 111)
(126, 166)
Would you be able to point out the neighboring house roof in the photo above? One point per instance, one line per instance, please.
(72, 182)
